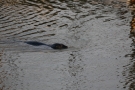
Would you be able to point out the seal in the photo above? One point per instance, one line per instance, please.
(54, 46)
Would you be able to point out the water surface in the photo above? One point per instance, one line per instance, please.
(98, 33)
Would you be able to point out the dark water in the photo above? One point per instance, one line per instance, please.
(99, 33)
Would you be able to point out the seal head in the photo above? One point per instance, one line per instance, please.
(59, 46)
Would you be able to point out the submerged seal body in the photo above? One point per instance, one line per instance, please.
(34, 43)
(54, 46)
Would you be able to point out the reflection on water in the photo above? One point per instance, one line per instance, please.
(95, 30)
(129, 71)
(76, 67)
(131, 3)
(133, 24)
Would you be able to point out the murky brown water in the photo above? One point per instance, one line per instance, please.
(99, 33)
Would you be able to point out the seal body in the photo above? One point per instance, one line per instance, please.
(35, 43)
(54, 46)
